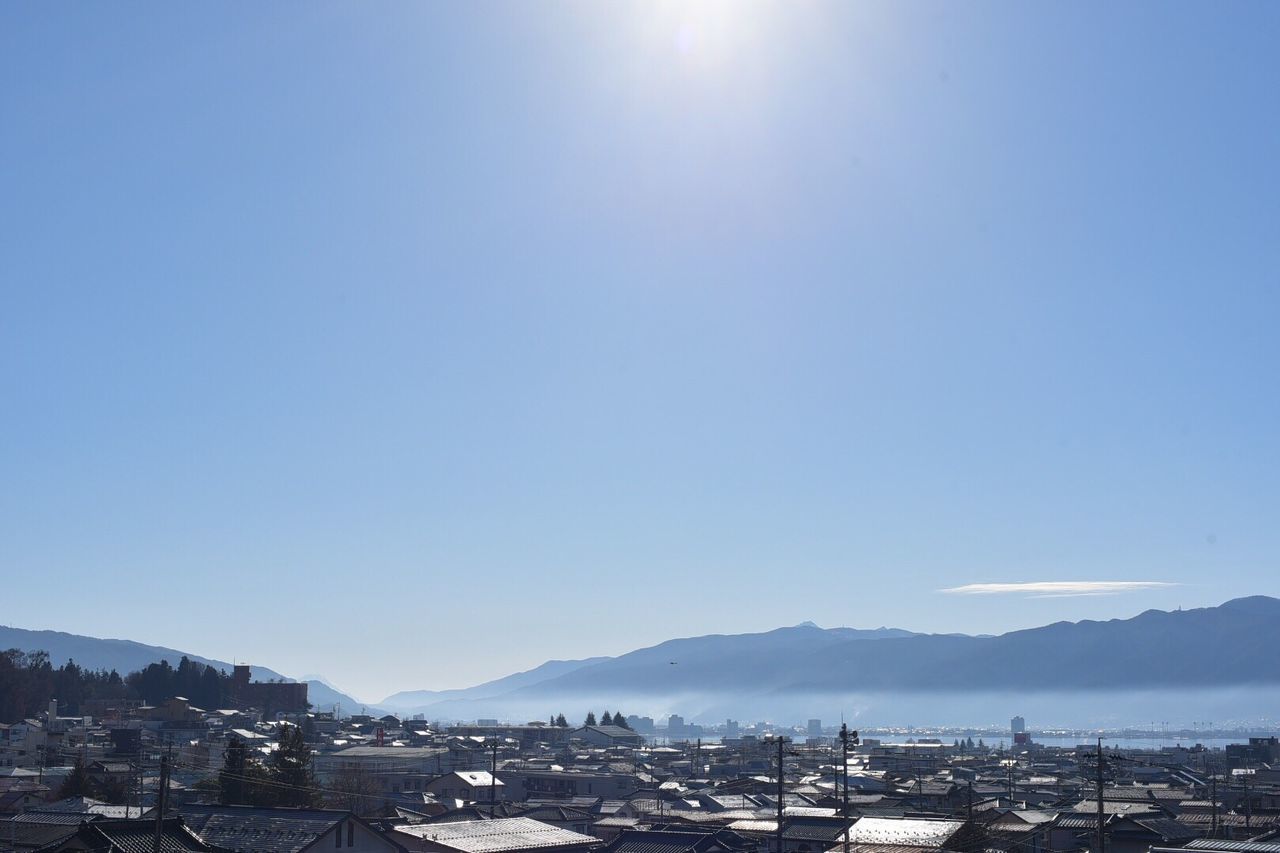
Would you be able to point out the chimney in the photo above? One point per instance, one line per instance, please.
(52, 723)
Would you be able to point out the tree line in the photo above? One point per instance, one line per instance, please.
(28, 680)
(607, 719)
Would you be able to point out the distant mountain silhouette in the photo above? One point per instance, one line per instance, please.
(1207, 646)
(414, 701)
(781, 670)
(124, 656)
(127, 656)
(1219, 646)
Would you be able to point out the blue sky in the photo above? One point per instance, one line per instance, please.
(418, 343)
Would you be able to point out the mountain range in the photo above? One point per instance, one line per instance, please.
(789, 671)
(127, 656)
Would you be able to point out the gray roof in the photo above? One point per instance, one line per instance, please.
(260, 830)
(1234, 846)
(390, 751)
(610, 731)
(916, 832)
(491, 836)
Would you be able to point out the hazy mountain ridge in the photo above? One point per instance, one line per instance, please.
(124, 656)
(412, 701)
(127, 656)
(780, 671)
(1209, 647)
(1201, 647)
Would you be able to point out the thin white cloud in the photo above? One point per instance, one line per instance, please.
(1056, 589)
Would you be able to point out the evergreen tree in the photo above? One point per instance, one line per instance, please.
(561, 721)
(291, 770)
(115, 792)
(607, 719)
(621, 721)
(591, 718)
(231, 781)
(77, 783)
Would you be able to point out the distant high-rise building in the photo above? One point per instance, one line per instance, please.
(730, 728)
(815, 728)
(1017, 725)
(675, 725)
(644, 725)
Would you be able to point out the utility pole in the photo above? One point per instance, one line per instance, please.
(1244, 774)
(1102, 815)
(126, 812)
(493, 777)
(968, 812)
(1248, 800)
(1213, 798)
(782, 741)
(162, 795)
(844, 805)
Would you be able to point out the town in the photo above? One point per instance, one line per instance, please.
(267, 772)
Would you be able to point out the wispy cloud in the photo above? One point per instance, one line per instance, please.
(1056, 589)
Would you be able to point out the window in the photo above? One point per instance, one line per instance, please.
(337, 836)
(351, 834)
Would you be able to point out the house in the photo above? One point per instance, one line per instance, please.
(912, 834)
(33, 830)
(578, 820)
(1027, 830)
(677, 840)
(22, 796)
(129, 835)
(1137, 833)
(112, 774)
(248, 829)
(474, 786)
(800, 833)
(569, 783)
(385, 763)
(608, 736)
(501, 835)
(527, 736)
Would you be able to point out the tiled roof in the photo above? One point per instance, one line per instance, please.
(877, 848)
(1116, 807)
(54, 818)
(28, 836)
(138, 836)
(668, 841)
(562, 813)
(1167, 828)
(243, 828)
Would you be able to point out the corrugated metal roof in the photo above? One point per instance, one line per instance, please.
(914, 832)
(487, 836)
(1234, 846)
